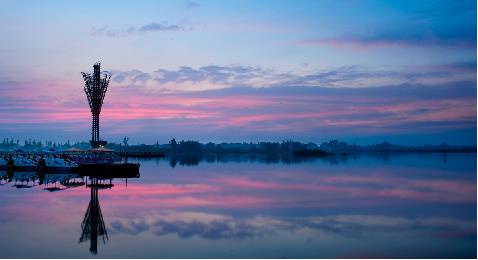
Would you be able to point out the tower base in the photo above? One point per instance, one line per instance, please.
(98, 144)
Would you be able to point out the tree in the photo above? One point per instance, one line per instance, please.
(173, 144)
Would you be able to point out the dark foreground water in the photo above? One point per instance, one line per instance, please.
(409, 205)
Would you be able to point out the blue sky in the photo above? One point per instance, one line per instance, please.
(183, 48)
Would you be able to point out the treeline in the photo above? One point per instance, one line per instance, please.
(194, 147)
(304, 149)
(34, 144)
(288, 147)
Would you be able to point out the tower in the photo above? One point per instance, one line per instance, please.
(95, 89)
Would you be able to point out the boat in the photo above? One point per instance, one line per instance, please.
(100, 163)
(3, 161)
(97, 156)
(24, 163)
(57, 164)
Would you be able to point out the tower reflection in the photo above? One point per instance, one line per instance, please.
(93, 225)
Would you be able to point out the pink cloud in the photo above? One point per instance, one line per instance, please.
(266, 113)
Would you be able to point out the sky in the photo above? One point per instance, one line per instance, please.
(358, 71)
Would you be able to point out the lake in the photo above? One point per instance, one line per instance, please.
(387, 206)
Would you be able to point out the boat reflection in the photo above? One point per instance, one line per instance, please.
(93, 226)
(23, 180)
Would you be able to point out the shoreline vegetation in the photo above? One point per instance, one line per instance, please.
(194, 148)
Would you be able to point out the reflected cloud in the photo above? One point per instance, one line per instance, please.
(243, 203)
(186, 225)
(208, 226)
(132, 227)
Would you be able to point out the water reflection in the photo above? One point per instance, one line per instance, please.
(22, 180)
(191, 224)
(286, 159)
(195, 159)
(238, 207)
(93, 225)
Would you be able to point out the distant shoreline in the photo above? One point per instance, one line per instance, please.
(196, 159)
(193, 148)
(295, 154)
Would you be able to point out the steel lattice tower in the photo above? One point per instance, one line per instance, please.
(95, 89)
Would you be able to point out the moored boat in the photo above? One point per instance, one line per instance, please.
(56, 164)
(24, 163)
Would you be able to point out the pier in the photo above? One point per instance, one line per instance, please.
(85, 164)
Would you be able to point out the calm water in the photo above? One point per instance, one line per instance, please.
(368, 206)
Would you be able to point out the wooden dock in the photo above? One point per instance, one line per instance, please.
(110, 170)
